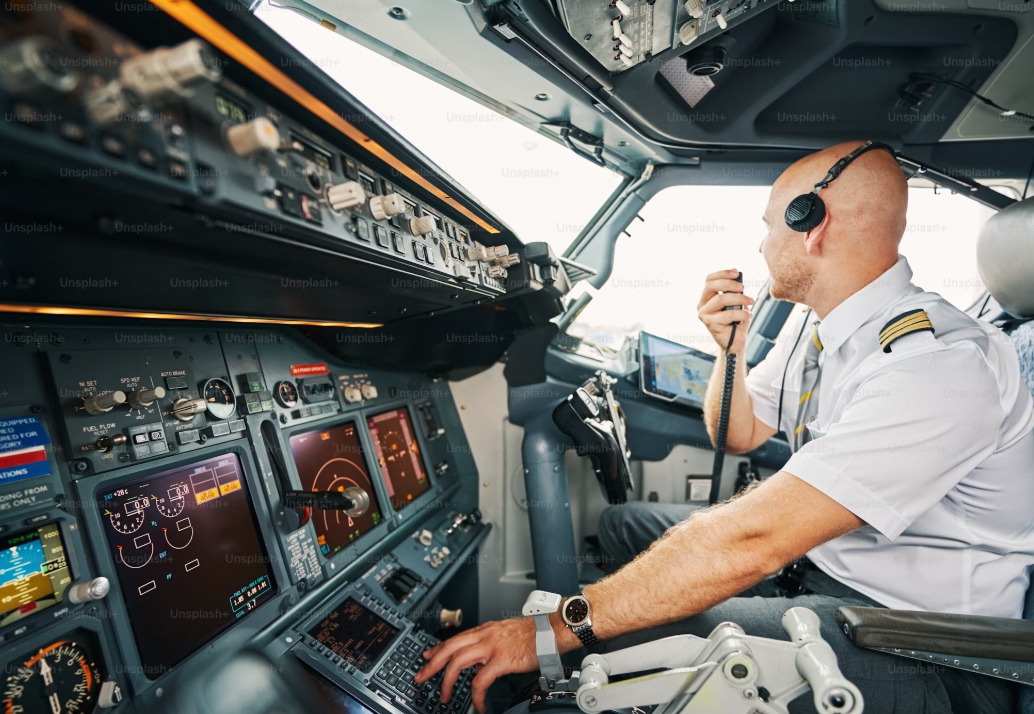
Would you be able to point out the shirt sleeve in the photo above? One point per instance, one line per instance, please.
(911, 432)
(763, 379)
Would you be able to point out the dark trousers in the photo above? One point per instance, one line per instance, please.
(890, 684)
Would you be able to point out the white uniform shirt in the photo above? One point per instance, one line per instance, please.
(931, 445)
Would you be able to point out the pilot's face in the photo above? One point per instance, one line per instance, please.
(783, 249)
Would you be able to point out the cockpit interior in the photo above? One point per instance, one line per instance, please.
(336, 329)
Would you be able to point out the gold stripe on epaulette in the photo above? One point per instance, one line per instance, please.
(904, 324)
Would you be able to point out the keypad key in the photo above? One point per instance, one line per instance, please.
(395, 657)
(383, 673)
(392, 680)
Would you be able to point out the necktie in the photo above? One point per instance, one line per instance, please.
(808, 407)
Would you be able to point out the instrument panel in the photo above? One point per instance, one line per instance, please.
(172, 488)
(88, 108)
(142, 567)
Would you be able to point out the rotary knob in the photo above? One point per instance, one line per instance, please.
(422, 225)
(88, 591)
(35, 66)
(254, 137)
(451, 618)
(101, 403)
(353, 395)
(346, 195)
(170, 71)
(187, 409)
(361, 499)
(145, 397)
(387, 206)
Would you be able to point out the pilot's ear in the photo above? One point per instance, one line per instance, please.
(814, 240)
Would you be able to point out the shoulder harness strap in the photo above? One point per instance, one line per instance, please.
(904, 324)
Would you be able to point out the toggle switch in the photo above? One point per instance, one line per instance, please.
(145, 397)
(720, 19)
(382, 207)
(101, 403)
(346, 195)
(254, 137)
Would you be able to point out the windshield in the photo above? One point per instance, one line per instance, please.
(540, 188)
(691, 231)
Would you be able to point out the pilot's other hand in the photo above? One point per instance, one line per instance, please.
(501, 647)
(721, 289)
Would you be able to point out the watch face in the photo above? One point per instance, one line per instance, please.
(576, 610)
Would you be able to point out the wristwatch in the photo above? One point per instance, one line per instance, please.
(577, 614)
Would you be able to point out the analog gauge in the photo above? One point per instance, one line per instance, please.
(61, 678)
(220, 398)
(131, 519)
(286, 394)
(173, 501)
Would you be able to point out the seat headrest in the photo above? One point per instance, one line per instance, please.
(1005, 257)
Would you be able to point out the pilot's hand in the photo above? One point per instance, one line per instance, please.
(501, 647)
(721, 289)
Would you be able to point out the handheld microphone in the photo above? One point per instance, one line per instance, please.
(722, 428)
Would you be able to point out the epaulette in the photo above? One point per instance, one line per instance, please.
(904, 324)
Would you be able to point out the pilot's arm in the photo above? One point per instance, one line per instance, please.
(746, 431)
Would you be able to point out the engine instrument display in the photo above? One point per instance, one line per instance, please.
(188, 555)
(33, 572)
(60, 678)
(399, 456)
(332, 460)
(355, 633)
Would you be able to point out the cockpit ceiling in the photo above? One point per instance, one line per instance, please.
(815, 70)
(768, 75)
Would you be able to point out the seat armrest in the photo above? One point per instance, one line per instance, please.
(964, 635)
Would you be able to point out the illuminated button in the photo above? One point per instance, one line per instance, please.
(142, 450)
(254, 382)
(175, 382)
(220, 429)
(236, 426)
(188, 437)
(362, 230)
(159, 448)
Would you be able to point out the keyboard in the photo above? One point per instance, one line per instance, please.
(397, 671)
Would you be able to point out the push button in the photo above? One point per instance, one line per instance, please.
(188, 437)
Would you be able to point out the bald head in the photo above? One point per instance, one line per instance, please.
(856, 242)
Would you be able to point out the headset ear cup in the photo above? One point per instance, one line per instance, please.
(805, 212)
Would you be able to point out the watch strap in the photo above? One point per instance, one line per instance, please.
(585, 634)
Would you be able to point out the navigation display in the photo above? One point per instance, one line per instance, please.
(355, 633)
(673, 372)
(188, 555)
(399, 456)
(332, 460)
(33, 572)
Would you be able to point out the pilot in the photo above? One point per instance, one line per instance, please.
(909, 486)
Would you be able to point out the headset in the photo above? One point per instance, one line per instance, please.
(807, 210)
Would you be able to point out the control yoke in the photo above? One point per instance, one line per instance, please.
(729, 672)
(593, 419)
